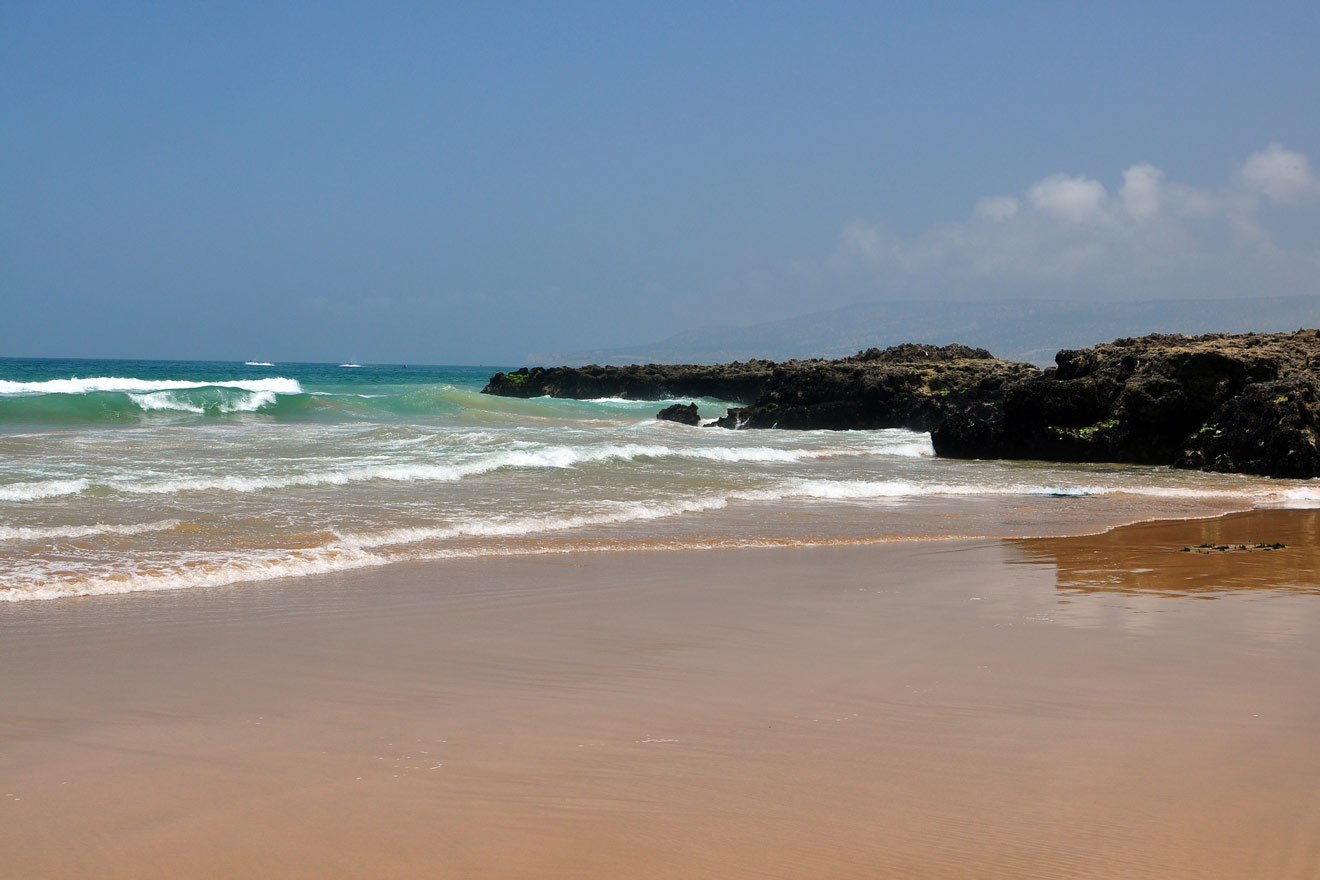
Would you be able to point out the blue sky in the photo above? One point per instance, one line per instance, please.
(467, 183)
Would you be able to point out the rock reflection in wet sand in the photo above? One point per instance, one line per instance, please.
(1186, 558)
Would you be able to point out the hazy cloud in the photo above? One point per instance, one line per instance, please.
(998, 208)
(1068, 229)
(1141, 191)
(1282, 175)
(1075, 199)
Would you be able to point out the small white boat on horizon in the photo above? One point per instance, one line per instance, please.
(351, 364)
(258, 363)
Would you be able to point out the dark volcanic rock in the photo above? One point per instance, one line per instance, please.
(906, 386)
(1218, 402)
(683, 413)
(736, 382)
(1270, 428)
(1248, 403)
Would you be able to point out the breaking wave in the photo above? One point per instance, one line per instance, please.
(277, 385)
(45, 533)
(345, 550)
(110, 399)
(547, 457)
(39, 489)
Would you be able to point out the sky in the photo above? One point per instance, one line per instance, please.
(469, 182)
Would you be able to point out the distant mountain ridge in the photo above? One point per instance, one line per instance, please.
(1025, 330)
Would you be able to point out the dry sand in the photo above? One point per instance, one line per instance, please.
(1084, 707)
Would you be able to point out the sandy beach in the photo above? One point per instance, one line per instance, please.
(1108, 706)
(659, 442)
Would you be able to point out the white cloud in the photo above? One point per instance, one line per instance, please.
(1067, 232)
(1075, 199)
(997, 208)
(1141, 191)
(1283, 175)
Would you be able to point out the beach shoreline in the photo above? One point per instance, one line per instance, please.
(966, 708)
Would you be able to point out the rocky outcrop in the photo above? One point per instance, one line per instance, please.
(683, 413)
(906, 386)
(1246, 404)
(737, 382)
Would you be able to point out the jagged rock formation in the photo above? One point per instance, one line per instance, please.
(906, 386)
(737, 382)
(1247, 404)
(683, 413)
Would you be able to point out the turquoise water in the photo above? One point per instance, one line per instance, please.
(46, 393)
(124, 476)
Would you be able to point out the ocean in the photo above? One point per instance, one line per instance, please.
(125, 476)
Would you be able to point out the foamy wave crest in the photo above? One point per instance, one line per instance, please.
(561, 457)
(851, 489)
(1259, 495)
(181, 577)
(863, 489)
(350, 551)
(901, 449)
(531, 525)
(626, 512)
(359, 550)
(164, 400)
(544, 457)
(911, 449)
(41, 489)
(174, 402)
(275, 385)
(1300, 496)
(735, 454)
(38, 533)
(233, 483)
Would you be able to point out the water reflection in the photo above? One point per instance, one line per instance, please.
(1149, 559)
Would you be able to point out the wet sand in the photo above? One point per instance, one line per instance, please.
(1110, 706)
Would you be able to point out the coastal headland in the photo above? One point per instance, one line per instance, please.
(1247, 403)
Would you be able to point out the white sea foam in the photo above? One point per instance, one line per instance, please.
(1300, 496)
(41, 533)
(898, 449)
(615, 514)
(41, 489)
(275, 385)
(236, 483)
(862, 489)
(253, 568)
(628, 401)
(536, 457)
(910, 449)
(164, 400)
(351, 550)
(568, 456)
(173, 401)
(183, 577)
